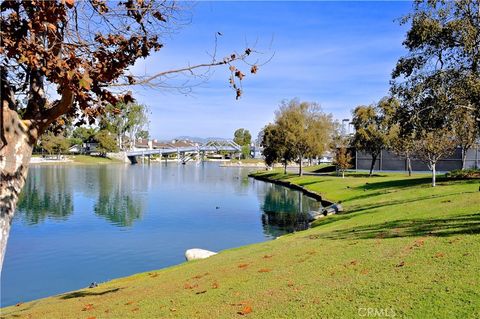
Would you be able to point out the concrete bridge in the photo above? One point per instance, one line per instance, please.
(184, 154)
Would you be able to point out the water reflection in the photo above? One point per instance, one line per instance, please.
(47, 194)
(116, 200)
(119, 194)
(165, 210)
(285, 210)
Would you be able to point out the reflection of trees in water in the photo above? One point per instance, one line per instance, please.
(241, 182)
(116, 203)
(285, 210)
(118, 208)
(46, 194)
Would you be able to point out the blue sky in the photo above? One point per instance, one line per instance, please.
(339, 54)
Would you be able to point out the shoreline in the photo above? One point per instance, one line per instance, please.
(312, 194)
(72, 160)
(316, 196)
(369, 253)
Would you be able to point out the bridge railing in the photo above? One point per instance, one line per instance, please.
(201, 148)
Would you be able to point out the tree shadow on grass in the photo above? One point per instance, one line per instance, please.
(303, 184)
(438, 227)
(371, 209)
(397, 183)
(363, 175)
(84, 293)
(362, 208)
(382, 188)
(404, 183)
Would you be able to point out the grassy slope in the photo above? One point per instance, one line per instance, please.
(86, 159)
(248, 160)
(81, 159)
(401, 245)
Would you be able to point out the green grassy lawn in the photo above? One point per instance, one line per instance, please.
(401, 247)
(248, 161)
(87, 159)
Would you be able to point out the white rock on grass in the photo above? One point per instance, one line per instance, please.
(197, 253)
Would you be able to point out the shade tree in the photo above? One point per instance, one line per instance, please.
(243, 138)
(342, 159)
(105, 143)
(301, 130)
(70, 59)
(276, 146)
(55, 143)
(432, 146)
(466, 131)
(372, 130)
(442, 43)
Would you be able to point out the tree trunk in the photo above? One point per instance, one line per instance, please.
(15, 152)
(300, 168)
(434, 173)
(409, 166)
(343, 173)
(464, 157)
(285, 167)
(374, 160)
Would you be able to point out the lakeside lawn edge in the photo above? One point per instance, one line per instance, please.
(451, 193)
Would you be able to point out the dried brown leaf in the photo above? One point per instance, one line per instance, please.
(245, 311)
(88, 307)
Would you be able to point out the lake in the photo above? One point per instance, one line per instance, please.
(77, 224)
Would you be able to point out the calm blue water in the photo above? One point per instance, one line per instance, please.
(79, 224)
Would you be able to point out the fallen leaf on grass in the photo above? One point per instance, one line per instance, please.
(419, 243)
(439, 255)
(264, 270)
(188, 286)
(173, 309)
(215, 285)
(92, 318)
(267, 256)
(128, 303)
(88, 307)
(401, 264)
(153, 275)
(243, 266)
(135, 309)
(200, 292)
(246, 310)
